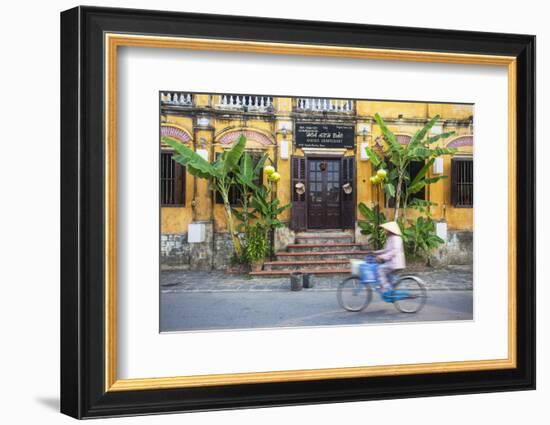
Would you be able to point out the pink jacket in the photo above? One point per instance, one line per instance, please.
(393, 253)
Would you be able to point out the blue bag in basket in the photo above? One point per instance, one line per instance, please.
(368, 270)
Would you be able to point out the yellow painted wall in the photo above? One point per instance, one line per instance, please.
(402, 118)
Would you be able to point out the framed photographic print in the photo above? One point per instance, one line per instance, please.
(262, 212)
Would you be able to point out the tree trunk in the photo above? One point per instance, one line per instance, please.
(397, 197)
(231, 228)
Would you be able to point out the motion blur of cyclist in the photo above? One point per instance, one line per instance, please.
(392, 256)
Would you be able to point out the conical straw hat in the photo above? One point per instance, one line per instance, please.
(391, 226)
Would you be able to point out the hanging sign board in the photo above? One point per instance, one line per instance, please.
(324, 135)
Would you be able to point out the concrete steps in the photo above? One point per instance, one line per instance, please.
(320, 256)
(299, 265)
(319, 253)
(324, 247)
(323, 238)
(286, 272)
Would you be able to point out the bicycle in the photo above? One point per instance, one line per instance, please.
(354, 293)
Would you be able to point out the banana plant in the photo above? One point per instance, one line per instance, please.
(371, 225)
(400, 156)
(420, 181)
(247, 177)
(219, 173)
(268, 209)
(420, 237)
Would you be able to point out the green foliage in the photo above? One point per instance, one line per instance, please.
(371, 225)
(247, 178)
(268, 209)
(399, 185)
(419, 237)
(218, 173)
(257, 245)
(196, 164)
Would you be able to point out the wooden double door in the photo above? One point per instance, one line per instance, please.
(324, 188)
(324, 205)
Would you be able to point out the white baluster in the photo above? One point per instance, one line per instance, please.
(189, 99)
(231, 100)
(262, 100)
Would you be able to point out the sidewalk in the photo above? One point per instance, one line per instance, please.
(457, 278)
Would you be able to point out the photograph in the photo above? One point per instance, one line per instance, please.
(282, 211)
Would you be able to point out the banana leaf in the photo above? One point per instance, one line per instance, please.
(388, 135)
(196, 165)
(232, 156)
(434, 139)
(420, 134)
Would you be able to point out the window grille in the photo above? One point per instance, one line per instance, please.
(172, 181)
(462, 182)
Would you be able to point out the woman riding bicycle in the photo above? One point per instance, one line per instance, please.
(392, 256)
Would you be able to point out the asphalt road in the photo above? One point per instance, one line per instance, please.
(191, 311)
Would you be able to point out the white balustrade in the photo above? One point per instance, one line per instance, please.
(176, 98)
(245, 102)
(316, 104)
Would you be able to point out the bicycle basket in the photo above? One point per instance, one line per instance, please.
(368, 272)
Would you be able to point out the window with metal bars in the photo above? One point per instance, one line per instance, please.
(462, 182)
(413, 169)
(234, 192)
(172, 181)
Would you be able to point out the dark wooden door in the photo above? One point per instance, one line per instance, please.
(324, 193)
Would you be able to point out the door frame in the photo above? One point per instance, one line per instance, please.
(318, 157)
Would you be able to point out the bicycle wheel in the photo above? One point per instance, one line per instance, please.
(354, 295)
(409, 294)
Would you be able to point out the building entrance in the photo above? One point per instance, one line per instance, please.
(324, 191)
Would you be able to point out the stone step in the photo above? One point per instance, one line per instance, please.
(319, 256)
(286, 272)
(318, 239)
(324, 233)
(324, 247)
(299, 265)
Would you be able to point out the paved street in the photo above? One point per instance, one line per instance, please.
(207, 301)
(186, 311)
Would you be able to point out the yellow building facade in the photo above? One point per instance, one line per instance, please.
(317, 145)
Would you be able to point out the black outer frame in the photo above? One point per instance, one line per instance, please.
(82, 207)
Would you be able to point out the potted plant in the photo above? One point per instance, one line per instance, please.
(257, 246)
